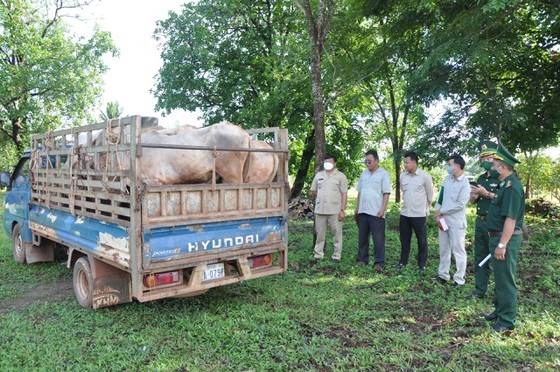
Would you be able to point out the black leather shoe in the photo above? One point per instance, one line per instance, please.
(422, 270)
(439, 279)
(313, 262)
(490, 317)
(456, 285)
(398, 265)
(501, 328)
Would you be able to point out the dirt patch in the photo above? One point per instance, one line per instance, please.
(53, 292)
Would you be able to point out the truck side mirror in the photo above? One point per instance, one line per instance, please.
(5, 179)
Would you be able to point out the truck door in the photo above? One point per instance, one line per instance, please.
(18, 197)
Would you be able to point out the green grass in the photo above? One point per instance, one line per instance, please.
(323, 317)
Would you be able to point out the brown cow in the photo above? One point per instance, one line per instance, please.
(260, 167)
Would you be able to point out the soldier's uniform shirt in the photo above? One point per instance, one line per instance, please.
(481, 238)
(329, 192)
(490, 184)
(510, 202)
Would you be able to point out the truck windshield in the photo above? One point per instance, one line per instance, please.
(21, 173)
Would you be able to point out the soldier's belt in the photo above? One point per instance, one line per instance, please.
(499, 233)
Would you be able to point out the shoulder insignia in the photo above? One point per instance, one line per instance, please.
(508, 184)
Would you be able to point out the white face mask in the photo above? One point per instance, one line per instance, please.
(328, 166)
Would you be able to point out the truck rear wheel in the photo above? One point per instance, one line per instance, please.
(83, 282)
(18, 249)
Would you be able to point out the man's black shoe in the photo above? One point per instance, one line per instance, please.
(501, 328)
(439, 279)
(456, 285)
(398, 265)
(422, 270)
(490, 317)
(335, 261)
(313, 262)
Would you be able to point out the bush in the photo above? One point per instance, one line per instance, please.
(542, 208)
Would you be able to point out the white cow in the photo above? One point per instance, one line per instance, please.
(260, 167)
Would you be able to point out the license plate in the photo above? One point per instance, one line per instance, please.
(214, 271)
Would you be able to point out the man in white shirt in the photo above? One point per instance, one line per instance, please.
(417, 195)
(331, 188)
(374, 188)
(451, 210)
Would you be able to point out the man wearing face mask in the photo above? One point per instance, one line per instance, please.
(331, 189)
(482, 195)
(505, 223)
(451, 206)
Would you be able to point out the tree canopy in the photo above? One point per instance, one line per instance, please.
(47, 76)
(494, 61)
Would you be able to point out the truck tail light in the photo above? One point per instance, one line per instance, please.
(168, 277)
(258, 261)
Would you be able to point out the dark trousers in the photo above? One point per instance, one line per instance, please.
(481, 250)
(406, 226)
(374, 226)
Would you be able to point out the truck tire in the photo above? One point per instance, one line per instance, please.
(83, 282)
(18, 249)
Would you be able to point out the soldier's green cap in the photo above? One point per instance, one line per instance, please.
(504, 155)
(487, 148)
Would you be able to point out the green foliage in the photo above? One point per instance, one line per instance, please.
(237, 61)
(48, 77)
(112, 111)
(321, 317)
(540, 175)
(493, 60)
(8, 156)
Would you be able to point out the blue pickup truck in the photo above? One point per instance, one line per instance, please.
(128, 240)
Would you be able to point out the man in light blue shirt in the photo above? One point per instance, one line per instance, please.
(451, 207)
(374, 188)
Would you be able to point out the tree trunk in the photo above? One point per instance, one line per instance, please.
(304, 164)
(397, 178)
(318, 27)
(528, 187)
(318, 110)
(16, 137)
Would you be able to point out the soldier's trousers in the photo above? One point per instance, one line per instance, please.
(505, 288)
(481, 251)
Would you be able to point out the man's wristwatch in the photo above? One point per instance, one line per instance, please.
(501, 246)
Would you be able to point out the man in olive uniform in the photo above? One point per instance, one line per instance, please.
(505, 220)
(331, 189)
(482, 195)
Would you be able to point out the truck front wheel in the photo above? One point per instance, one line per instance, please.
(18, 249)
(83, 282)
